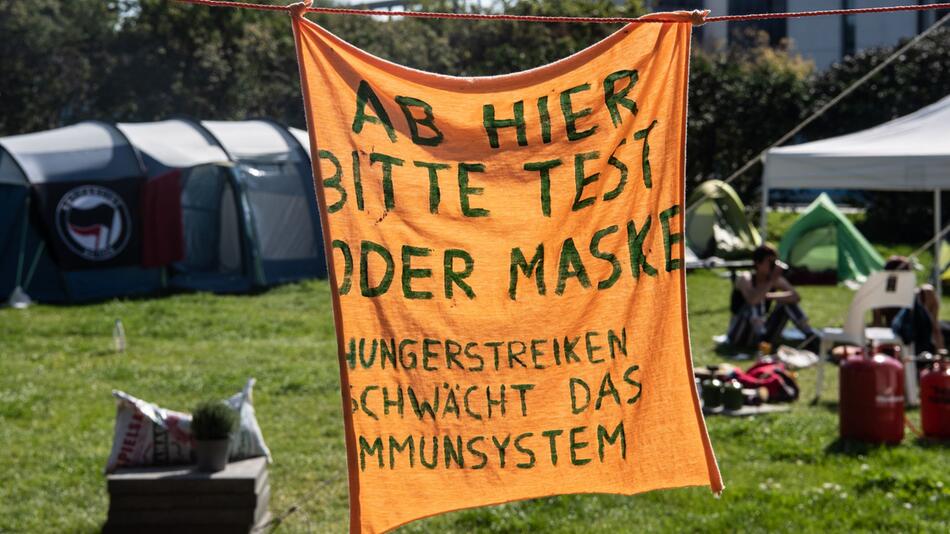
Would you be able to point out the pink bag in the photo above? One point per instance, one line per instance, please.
(773, 377)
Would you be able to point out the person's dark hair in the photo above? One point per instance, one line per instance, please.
(897, 263)
(762, 252)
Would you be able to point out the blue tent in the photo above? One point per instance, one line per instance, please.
(71, 231)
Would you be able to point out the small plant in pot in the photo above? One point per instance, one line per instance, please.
(211, 425)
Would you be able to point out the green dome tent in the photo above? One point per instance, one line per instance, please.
(822, 240)
(716, 223)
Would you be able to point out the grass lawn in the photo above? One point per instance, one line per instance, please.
(786, 472)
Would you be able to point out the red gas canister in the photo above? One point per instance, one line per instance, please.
(935, 400)
(871, 399)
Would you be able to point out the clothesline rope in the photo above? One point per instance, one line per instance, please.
(608, 20)
(548, 18)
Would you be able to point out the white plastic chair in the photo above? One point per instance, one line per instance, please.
(883, 289)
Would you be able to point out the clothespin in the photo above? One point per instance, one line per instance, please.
(696, 17)
(299, 9)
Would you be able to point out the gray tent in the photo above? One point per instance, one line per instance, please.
(248, 209)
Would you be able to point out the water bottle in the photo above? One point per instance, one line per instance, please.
(118, 336)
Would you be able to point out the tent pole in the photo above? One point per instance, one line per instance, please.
(22, 254)
(763, 219)
(937, 267)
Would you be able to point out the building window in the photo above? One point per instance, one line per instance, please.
(847, 30)
(926, 19)
(675, 5)
(745, 33)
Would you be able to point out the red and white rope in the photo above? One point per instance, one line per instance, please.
(543, 18)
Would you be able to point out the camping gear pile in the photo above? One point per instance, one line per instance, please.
(147, 434)
(95, 211)
(727, 389)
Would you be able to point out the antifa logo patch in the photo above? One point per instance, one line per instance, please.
(93, 222)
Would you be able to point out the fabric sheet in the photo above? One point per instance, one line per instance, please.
(163, 233)
(507, 261)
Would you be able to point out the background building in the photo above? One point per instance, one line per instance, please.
(823, 40)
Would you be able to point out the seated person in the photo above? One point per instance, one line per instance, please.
(763, 301)
(919, 325)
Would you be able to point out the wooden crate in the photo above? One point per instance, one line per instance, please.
(180, 500)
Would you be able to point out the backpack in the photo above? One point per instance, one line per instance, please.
(773, 376)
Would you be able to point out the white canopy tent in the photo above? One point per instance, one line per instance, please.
(910, 153)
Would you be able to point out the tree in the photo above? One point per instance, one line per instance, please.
(172, 59)
(921, 76)
(139, 60)
(918, 78)
(482, 47)
(52, 55)
(740, 101)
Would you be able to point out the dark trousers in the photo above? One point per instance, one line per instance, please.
(752, 325)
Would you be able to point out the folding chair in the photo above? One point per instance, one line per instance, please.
(883, 289)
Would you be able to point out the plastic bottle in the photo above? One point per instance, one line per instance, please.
(118, 336)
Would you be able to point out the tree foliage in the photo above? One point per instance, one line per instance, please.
(137, 60)
(140, 60)
(740, 101)
(919, 77)
(52, 54)
(173, 59)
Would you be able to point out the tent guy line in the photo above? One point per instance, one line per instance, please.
(657, 17)
(925, 246)
(831, 103)
(904, 154)
(824, 108)
(759, 156)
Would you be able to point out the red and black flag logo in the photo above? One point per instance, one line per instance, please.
(93, 225)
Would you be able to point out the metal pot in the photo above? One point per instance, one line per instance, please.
(212, 455)
(732, 397)
(712, 393)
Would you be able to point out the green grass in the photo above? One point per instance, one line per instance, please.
(783, 473)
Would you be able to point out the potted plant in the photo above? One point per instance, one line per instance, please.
(211, 425)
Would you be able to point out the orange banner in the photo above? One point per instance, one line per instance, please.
(507, 260)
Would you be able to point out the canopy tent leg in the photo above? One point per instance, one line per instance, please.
(763, 218)
(937, 267)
